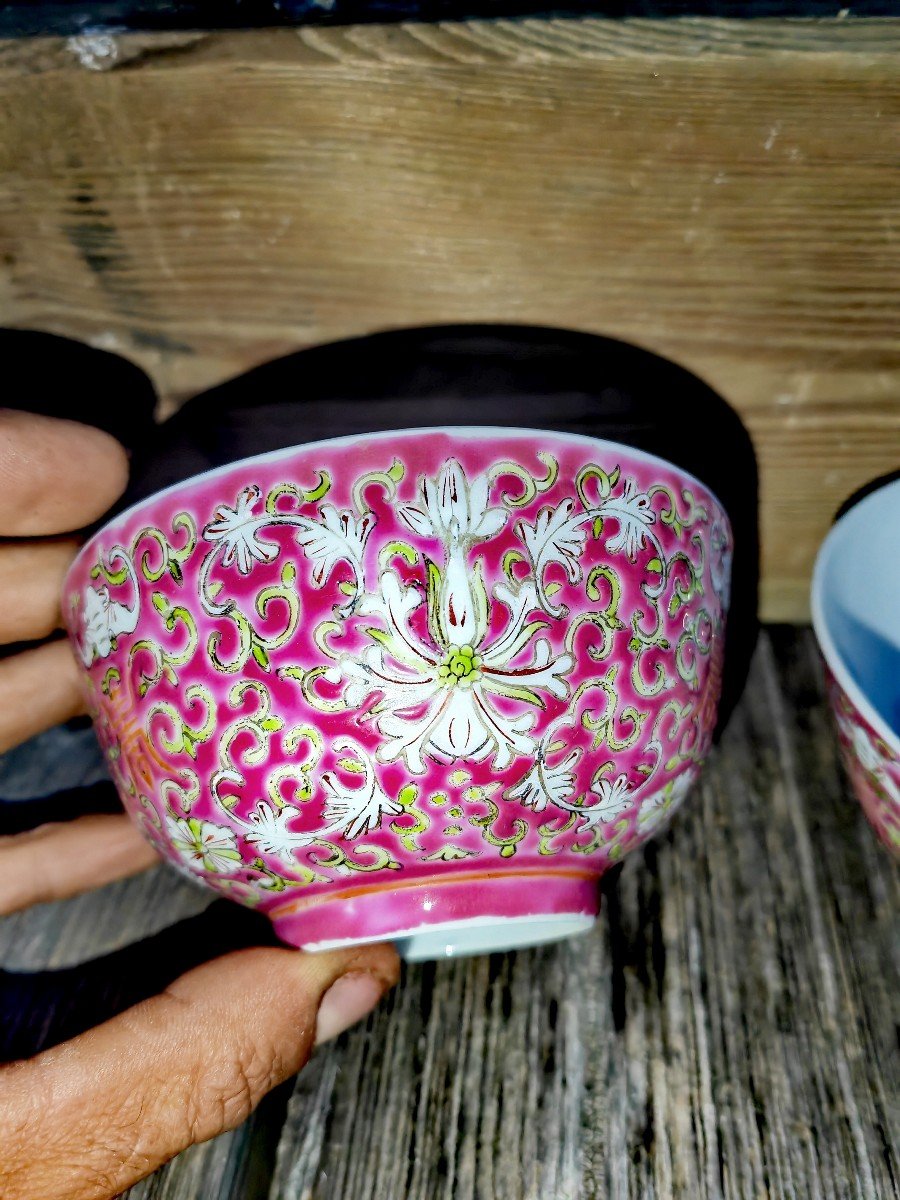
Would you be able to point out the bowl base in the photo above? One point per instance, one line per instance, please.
(478, 935)
(448, 916)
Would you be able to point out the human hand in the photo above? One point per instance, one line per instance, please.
(88, 1118)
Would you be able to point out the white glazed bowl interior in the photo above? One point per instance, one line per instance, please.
(856, 607)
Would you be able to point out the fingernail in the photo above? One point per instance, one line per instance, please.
(347, 1001)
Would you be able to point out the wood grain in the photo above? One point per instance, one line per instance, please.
(725, 1033)
(723, 192)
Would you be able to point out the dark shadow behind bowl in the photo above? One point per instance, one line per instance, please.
(59, 377)
(58, 775)
(506, 375)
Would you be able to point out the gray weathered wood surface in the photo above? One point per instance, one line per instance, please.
(728, 1030)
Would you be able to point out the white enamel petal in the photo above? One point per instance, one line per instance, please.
(520, 602)
(543, 673)
(418, 521)
(461, 732)
(458, 612)
(453, 499)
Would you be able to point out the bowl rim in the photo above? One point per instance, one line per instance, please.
(479, 431)
(834, 660)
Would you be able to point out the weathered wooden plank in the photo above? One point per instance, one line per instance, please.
(726, 1032)
(721, 191)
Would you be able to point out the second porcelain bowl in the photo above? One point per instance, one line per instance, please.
(857, 623)
(425, 685)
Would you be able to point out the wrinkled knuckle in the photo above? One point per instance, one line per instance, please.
(33, 1147)
(253, 1077)
(90, 1179)
(108, 1151)
(225, 1098)
(19, 1129)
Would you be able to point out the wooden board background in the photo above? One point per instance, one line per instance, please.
(724, 192)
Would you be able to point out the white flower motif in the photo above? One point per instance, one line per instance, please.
(204, 846)
(104, 619)
(434, 697)
(544, 784)
(453, 509)
(871, 759)
(354, 811)
(349, 812)
(863, 748)
(436, 700)
(338, 536)
(555, 533)
(558, 536)
(614, 796)
(660, 804)
(720, 556)
(237, 529)
(270, 834)
(633, 512)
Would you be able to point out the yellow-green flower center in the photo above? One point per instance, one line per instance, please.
(461, 666)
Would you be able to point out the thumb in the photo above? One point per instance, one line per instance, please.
(87, 1119)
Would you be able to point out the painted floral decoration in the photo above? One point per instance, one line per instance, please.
(414, 654)
(873, 767)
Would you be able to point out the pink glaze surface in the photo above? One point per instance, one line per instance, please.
(872, 765)
(395, 680)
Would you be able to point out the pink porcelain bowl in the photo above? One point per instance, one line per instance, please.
(856, 618)
(423, 686)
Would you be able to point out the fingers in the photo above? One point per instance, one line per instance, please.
(54, 862)
(86, 1120)
(38, 688)
(55, 476)
(31, 579)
